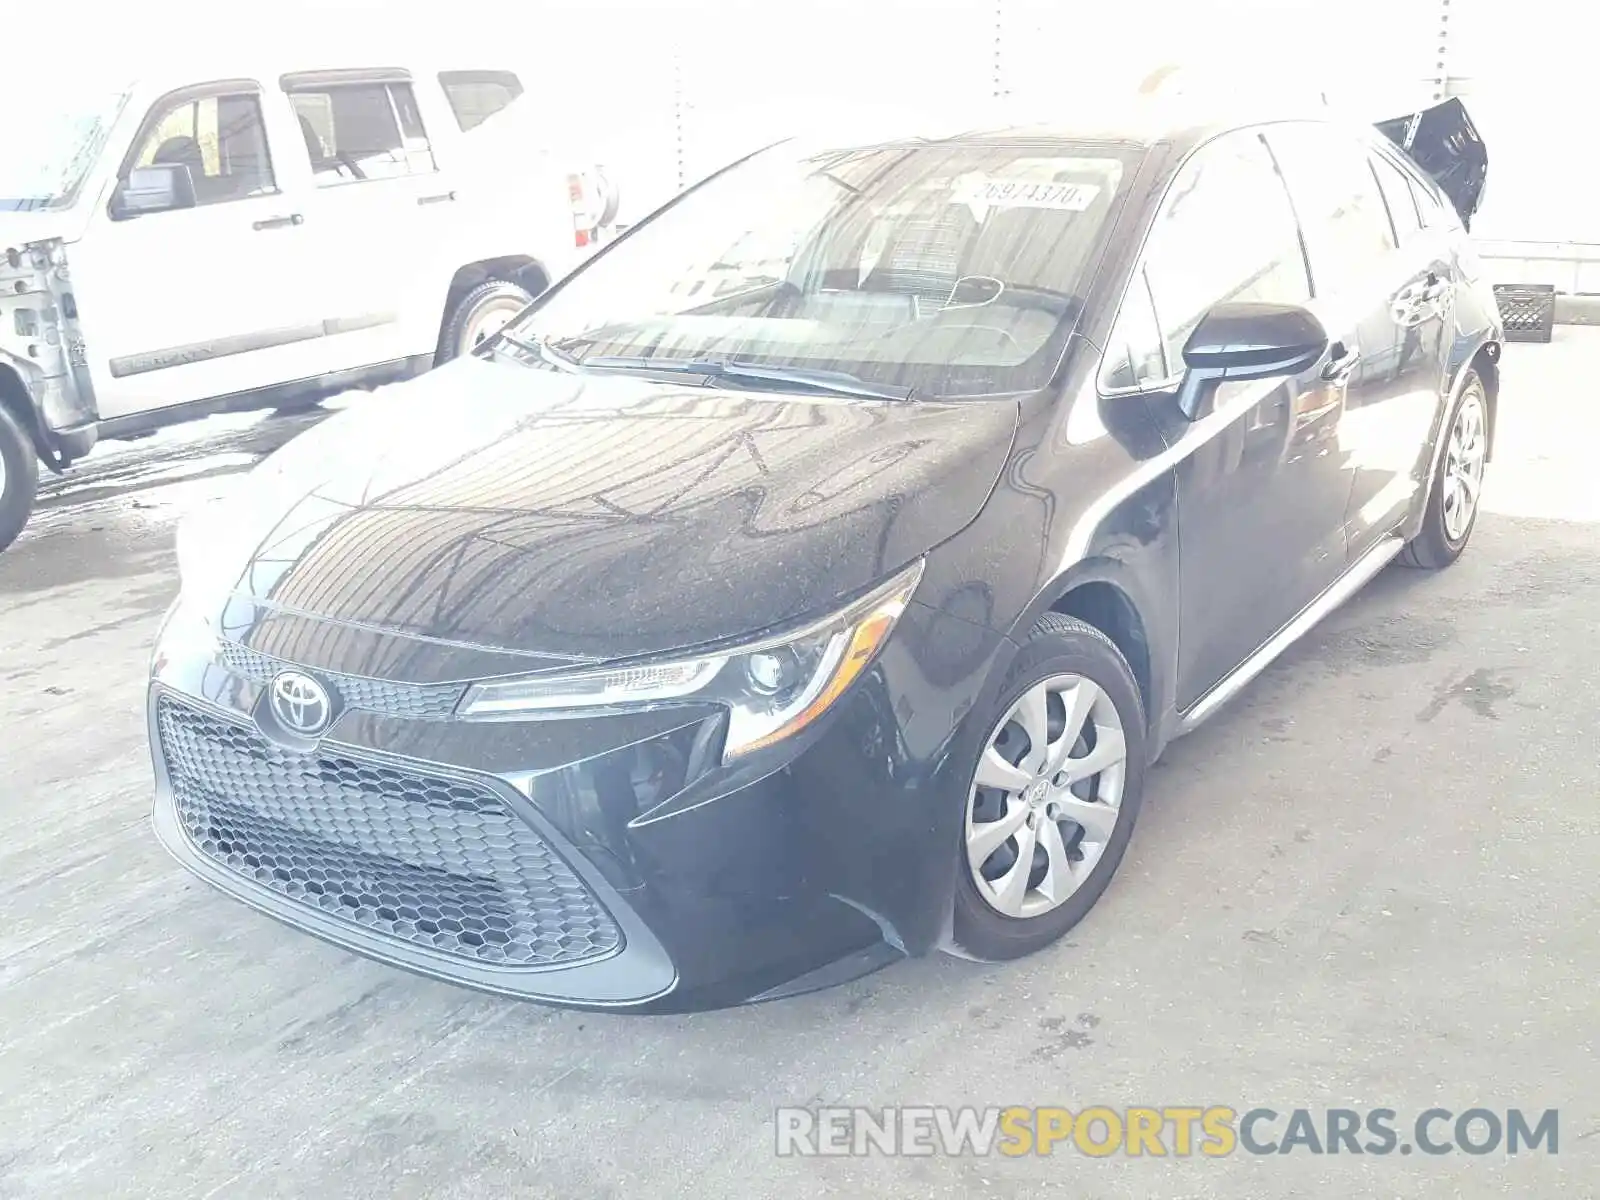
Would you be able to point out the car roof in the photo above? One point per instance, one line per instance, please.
(1134, 122)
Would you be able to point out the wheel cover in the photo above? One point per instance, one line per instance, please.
(1046, 797)
(1465, 455)
(487, 321)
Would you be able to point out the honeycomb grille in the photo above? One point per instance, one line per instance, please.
(426, 702)
(435, 862)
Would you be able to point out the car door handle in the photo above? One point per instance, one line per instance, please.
(278, 222)
(441, 198)
(1341, 363)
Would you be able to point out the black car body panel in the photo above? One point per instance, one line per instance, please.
(520, 526)
(551, 521)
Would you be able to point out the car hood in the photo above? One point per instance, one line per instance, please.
(1444, 142)
(497, 510)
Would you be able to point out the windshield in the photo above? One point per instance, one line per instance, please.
(49, 148)
(937, 269)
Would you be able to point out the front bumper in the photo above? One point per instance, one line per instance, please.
(605, 863)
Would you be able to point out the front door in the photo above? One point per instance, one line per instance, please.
(1263, 490)
(1383, 290)
(207, 301)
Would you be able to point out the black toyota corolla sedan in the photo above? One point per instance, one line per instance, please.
(810, 579)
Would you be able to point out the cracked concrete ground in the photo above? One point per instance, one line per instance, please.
(1372, 881)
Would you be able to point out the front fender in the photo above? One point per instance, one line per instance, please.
(57, 422)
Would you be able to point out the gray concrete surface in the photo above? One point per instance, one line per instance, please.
(1373, 881)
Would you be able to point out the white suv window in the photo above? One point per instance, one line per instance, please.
(475, 96)
(360, 131)
(221, 140)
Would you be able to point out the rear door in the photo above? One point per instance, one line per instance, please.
(1382, 301)
(1263, 490)
(380, 206)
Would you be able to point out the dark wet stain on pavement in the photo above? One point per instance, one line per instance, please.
(1479, 691)
(111, 516)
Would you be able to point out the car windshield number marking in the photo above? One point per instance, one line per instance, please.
(983, 193)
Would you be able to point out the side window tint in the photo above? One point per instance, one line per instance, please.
(223, 142)
(1398, 196)
(475, 96)
(1435, 211)
(1346, 225)
(361, 131)
(1134, 357)
(1227, 232)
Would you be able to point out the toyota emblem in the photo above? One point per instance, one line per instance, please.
(300, 704)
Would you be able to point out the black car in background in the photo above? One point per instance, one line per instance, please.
(810, 579)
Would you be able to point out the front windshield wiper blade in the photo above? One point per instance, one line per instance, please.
(549, 354)
(839, 383)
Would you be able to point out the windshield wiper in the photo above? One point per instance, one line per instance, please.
(838, 383)
(558, 360)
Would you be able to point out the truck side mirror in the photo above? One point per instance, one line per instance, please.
(161, 187)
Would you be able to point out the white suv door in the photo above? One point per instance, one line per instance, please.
(380, 205)
(196, 303)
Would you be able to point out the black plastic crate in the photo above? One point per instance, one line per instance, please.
(1528, 310)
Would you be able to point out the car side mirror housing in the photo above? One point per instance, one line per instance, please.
(162, 187)
(1247, 340)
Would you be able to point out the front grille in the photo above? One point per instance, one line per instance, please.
(426, 702)
(435, 862)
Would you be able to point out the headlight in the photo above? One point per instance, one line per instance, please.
(772, 689)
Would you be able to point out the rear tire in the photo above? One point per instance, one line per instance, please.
(19, 478)
(478, 315)
(1091, 815)
(1446, 526)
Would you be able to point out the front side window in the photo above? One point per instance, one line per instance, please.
(1226, 233)
(220, 139)
(1135, 351)
(361, 131)
(945, 269)
(1347, 231)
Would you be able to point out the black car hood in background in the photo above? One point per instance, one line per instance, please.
(1444, 142)
(501, 508)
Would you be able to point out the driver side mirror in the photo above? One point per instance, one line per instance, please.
(161, 187)
(1247, 340)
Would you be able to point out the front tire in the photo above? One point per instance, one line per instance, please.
(19, 478)
(1457, 482)
(479, 315)
(1054, 795)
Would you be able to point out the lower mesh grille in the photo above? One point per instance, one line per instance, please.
(436, 862)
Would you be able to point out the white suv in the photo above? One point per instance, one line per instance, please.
(191, 243)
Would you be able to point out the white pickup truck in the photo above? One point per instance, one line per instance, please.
(257, 235)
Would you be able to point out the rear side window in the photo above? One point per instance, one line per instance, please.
(1435, 210)
(1397, 194)
(475, 96)
(1342, 213)
(361, 131)
(1226, 232)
